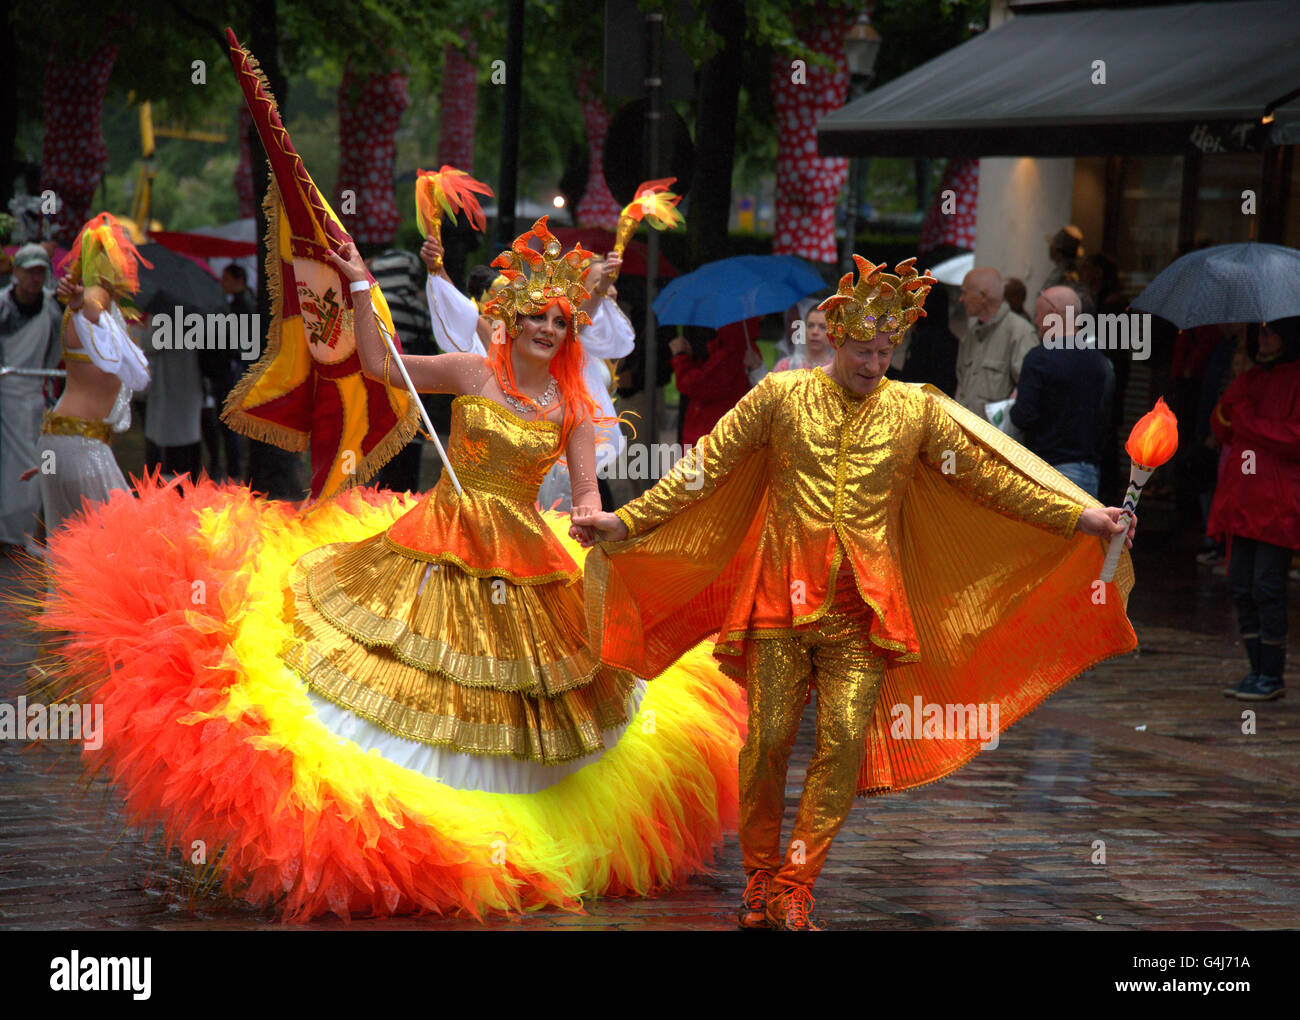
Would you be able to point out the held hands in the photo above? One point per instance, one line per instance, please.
(1105, 522)
(591, 525)
(348, 261)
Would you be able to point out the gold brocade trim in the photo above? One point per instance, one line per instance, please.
(539, 423)
(429, 654)
(63, 425)
(486, 481)
(622, 514)
(72, 355)
(452, 558)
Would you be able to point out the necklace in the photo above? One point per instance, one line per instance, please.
(547, 399)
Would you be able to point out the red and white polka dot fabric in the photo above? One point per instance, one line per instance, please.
(597, 207)
(73, 153)
(457, 109)
(807, 185)
(957, 227)
(370, 111)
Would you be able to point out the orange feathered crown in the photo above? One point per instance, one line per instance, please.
(103, 251)
(880, 302)
(534, 280)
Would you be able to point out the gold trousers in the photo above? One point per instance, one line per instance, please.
(835, 656)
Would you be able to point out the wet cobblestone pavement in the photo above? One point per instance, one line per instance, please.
(1200, 821)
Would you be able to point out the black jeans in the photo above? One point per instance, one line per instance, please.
(1257, 575)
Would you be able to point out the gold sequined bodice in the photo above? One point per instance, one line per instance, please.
(493, 528)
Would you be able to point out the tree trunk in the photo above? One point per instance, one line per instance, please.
(715, 135)
(9, 109)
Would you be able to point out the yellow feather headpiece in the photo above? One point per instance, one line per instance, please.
(534, 280)
(880, 302)
(103, 253)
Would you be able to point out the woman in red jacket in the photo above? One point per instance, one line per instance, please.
(1257, 502)
(713, 385)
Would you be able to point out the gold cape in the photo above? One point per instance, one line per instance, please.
(1005, 613)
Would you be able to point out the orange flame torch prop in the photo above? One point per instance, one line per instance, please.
(448, 191)
(653, 202)
(1153, 441)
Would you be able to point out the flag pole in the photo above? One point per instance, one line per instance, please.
(388, 340)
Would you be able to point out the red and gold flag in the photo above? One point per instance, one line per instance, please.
(307, 392)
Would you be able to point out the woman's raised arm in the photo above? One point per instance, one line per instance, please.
(439, 373)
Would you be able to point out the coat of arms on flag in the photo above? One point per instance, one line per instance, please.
(307, 391)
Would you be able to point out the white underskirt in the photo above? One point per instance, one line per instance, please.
(488, 773)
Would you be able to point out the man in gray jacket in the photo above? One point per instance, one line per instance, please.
(995, 344)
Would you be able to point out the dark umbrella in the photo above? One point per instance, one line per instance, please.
(735, 289)
(177, 280)
(1227, 283)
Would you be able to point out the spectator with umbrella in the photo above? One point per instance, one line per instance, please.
(732, 293)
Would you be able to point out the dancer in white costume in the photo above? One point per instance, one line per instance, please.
(104, 367)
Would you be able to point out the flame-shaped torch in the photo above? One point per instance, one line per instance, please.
(1153, 441)
(653, 202)
(450, 191)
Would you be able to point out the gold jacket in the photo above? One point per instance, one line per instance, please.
(962, 542)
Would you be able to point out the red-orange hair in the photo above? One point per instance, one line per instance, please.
(566, 367)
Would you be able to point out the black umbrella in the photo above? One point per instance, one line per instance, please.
(177, 280)
(1226, 283)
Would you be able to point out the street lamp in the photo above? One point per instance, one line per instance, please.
(861, 48)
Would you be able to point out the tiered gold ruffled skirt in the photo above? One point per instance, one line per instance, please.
(433, 654)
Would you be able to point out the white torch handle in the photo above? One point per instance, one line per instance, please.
(1137, 478)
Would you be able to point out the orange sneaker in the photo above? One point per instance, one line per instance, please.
(789, 910)
(753, 905)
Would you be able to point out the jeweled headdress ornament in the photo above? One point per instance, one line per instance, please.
(535, 279)
(880, 302)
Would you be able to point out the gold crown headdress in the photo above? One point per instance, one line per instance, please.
(534, 280)
(880, 302)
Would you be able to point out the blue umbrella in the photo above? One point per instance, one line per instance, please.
(1227, 283)
(735, 289)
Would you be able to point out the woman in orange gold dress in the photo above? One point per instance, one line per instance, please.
(387, 704)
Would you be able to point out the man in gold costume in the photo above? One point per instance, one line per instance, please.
(871, 540)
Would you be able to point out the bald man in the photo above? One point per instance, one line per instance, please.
(995, 344)
(1066, 388)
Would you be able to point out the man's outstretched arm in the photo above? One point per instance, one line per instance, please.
(742, 430)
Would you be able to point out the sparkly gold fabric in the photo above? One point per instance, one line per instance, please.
(834, 656)
(493, 528)
(838, 466)
(469, 632)
(61, 425)
(961, 543)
